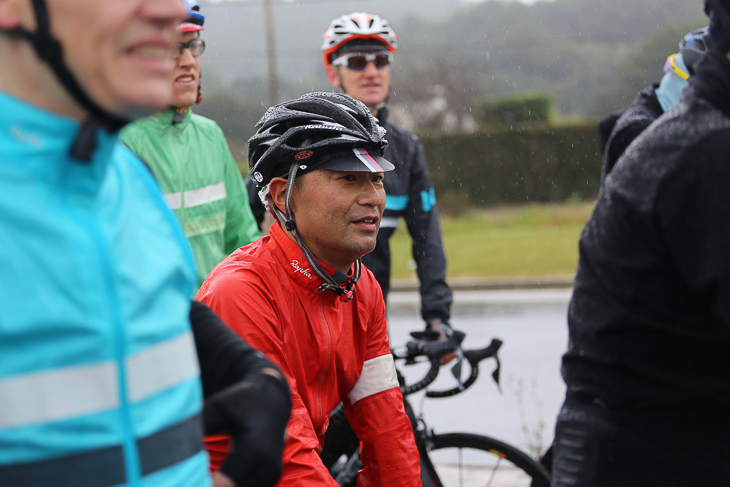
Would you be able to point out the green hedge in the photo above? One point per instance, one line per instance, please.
(519, 107)
(517, 165)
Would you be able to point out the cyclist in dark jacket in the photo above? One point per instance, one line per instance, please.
(411, 196)
(648, 364)
(357, 51)
(653, 101)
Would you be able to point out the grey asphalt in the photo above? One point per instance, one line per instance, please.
(532, 323)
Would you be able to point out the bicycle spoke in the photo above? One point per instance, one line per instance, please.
(494, 470)
(478, 464)
(461, 472)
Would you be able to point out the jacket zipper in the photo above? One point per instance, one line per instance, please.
(181, 180)
(323, 374)
(129, 444)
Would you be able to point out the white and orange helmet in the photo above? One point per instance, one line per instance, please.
(357, 25)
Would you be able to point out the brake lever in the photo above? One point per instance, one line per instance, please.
(400, 352)
(456, 370)
(495, 373)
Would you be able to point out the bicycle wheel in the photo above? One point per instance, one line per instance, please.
(467, 460)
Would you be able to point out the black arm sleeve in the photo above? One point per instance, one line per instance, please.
(223, 356)
(620, 141)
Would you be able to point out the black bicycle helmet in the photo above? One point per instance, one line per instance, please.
(317, 130)
(308, 131)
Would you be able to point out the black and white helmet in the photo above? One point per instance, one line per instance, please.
(317, 130)
(307, 131)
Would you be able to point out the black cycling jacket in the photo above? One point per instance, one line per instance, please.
(633, 121)
(649, 320)
(410, 195)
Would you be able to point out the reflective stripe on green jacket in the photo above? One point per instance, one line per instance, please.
(200, 181)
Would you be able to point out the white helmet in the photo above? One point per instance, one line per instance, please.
(357, 25)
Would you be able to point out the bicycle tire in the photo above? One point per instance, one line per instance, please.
(491, 462)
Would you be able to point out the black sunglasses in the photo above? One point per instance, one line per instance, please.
(359, 60)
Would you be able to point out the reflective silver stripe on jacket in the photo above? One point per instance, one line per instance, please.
(60, 394)
(378, 375)
(196, 197)
(161, 366)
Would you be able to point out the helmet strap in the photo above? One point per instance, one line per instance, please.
(50, 51)
(328, 283)
(199, 98)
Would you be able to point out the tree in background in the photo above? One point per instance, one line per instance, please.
(643, 66)
(589, 57)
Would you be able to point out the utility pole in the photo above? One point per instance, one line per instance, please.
(271, 53)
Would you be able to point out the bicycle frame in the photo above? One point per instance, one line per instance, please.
(427, 441)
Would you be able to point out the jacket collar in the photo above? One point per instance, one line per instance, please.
(383, 115)
(296, 265)
(166, 119)
(38, 141)
(712, 80)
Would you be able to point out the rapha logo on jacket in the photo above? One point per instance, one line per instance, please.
(295, 265)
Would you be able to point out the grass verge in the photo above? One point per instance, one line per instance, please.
(529, 240)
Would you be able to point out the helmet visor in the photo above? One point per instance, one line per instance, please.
(355, 160)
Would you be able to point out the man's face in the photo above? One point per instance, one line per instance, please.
(371, 85)
(186, 75)
(119, 50)
(338, 214)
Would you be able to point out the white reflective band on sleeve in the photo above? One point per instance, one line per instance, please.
(162, 366)
(58, 394)
(173, 200)
(378, 375)
(196, 197)
(389, 222)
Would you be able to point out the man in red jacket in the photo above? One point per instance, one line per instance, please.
(317, 162)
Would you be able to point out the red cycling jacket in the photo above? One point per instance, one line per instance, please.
(331, 351)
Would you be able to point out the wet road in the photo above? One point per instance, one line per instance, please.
(532, 325)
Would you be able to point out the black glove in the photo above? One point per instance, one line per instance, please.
(254, 412)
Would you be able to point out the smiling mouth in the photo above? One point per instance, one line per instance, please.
(186, 79)
(154, 52)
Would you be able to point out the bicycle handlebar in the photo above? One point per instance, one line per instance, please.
(426, 345)
(474, 357)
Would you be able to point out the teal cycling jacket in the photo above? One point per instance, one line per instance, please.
(99, 382)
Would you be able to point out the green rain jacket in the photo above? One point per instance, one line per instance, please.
(200, 181)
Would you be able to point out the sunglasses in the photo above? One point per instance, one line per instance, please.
(196, 46)
(359, 60)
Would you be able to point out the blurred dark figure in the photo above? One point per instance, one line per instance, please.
(648, 362)
(620, 128)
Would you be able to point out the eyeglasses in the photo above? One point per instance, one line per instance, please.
(196, 46)
(359, 60)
